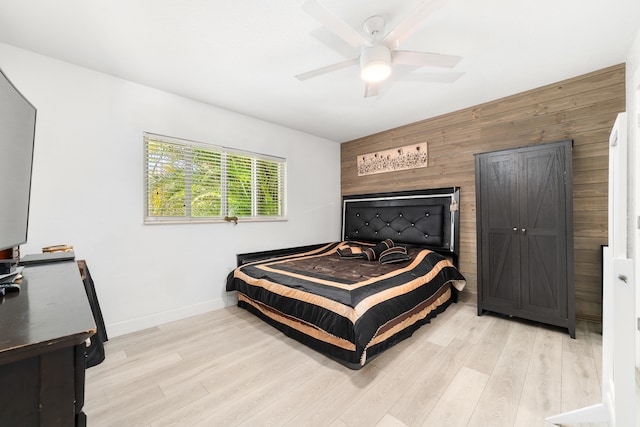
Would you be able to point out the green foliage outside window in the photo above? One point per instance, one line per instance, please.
(206, 189)
(269, 190)
(188, 181)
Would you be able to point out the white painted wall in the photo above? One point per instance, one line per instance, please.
(633, 112)
(87, 190)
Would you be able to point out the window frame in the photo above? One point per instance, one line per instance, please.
(224, 153)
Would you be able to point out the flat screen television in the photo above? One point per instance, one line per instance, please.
(17, 133)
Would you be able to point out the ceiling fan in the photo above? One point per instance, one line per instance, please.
(378, 45)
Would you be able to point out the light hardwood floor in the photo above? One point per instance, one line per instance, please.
(229, 368)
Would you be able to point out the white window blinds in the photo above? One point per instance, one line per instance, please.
(194, 182)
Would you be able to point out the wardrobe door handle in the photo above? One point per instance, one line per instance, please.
(524, 231)
(515, 230)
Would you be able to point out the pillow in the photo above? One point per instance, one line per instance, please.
(350, 251)
(393, 255)
(372, 254)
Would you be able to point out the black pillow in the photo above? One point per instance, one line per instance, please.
(350, 251)
(393, 255)
(372, 254)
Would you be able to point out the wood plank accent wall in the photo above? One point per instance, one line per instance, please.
(583, 108)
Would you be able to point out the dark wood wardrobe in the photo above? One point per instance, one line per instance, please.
(525, 233)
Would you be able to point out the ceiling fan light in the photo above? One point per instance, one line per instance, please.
(375, 72)
(375, 63)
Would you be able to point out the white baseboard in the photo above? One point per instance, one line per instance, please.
(149, 321)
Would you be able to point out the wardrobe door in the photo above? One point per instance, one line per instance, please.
(498, 251)
(525, 233)
(543, 232)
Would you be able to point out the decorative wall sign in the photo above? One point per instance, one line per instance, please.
(396, 159)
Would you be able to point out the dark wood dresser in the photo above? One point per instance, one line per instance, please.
(43, 333)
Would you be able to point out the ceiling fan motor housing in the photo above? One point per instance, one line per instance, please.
(374, 26)
(375, 63)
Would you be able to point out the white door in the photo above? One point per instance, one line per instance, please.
(618, 406)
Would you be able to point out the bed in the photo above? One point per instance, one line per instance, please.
(393, 271)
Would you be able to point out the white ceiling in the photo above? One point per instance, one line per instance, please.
(243, 55)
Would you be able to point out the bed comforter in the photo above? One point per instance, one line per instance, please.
(349, 309)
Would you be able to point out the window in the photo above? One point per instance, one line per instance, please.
(187, 181)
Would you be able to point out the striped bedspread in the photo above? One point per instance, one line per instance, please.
(349, 309)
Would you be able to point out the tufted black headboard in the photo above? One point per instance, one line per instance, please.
(427, 218)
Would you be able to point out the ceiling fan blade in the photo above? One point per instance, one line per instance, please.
(332, 41)
(406, 27)
(371, 89)
(327, 69)
(424, 59)
(334, 23)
